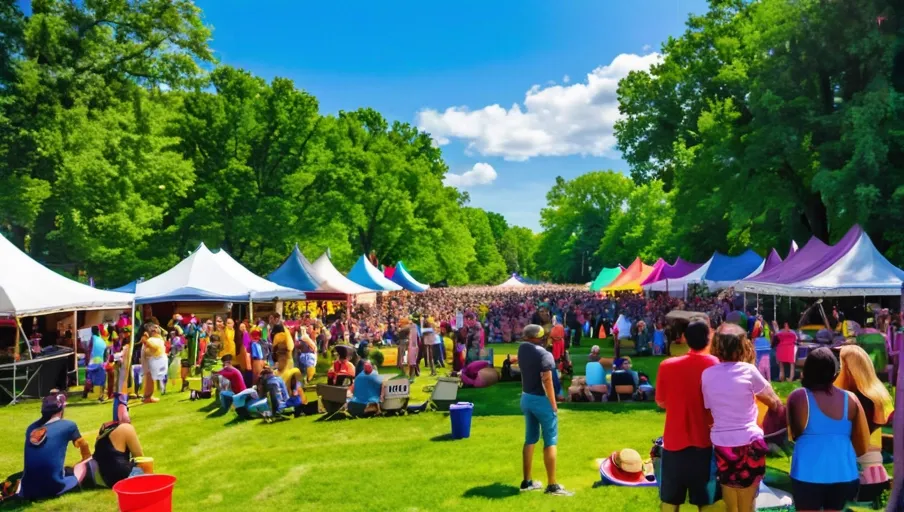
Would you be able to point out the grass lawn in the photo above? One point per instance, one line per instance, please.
(398, 463)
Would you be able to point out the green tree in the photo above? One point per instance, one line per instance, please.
(518, 248)
(488, 267)
(79, 66)
(643, 229)
(498, 225)
(575, 218)
(772, 120)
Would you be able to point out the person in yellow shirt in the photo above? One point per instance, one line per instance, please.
(153, 363)
(283, 348)
(227, 338)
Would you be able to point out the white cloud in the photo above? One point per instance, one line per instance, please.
(481, 174)
(566, 79)
(557, 120)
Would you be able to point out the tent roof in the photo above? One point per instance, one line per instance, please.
(29, 288)
(296, 272)
(262, 289)
(631, 277)
(725, 270)
(852, 267)
(332, 279)
(127, 288)
(772, 260)
(401, 277)
(367, 275)
(606, 276)
(811, 260)
(793, 249)
(198, 278)
(678, 269)
(512, 282)
(526, 280)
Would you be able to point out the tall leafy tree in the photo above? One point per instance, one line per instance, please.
(78, 66)
(575, 218)
(488, 267)
(643, 229)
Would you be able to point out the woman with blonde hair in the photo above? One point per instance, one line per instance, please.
(858, 375)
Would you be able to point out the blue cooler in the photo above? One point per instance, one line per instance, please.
(763, 357)
(460, 414)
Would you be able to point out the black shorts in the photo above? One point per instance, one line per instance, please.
(809, 496)
(688, 473)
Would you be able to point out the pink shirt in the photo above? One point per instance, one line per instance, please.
(729, 392)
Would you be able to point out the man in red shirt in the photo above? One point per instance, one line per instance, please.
(687, 451)
(236, 381)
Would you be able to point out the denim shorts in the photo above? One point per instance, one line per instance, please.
(538, 415)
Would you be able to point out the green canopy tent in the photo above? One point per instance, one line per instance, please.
(606, 276)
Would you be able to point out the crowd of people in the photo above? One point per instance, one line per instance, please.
(714, 396)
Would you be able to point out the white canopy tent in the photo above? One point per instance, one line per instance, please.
(199, 278)
(861, 271)
(28, 288)
(512, 282)
(261, 289)
(331, 279)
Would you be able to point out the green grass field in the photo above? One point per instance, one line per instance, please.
(397, 463)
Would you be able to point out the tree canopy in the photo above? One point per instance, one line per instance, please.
(124, 144)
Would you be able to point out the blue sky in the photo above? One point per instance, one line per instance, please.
(414, 61)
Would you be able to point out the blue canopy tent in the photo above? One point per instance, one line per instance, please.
(127, 288)
(367, 275)
(526, 280)
(402, 278)
(297, 272)
(725, 271)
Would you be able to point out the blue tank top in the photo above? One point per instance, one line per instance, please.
(824, 453)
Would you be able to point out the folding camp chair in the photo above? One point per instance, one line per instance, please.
(334, 398)
(622, 388)
(442, 395)
(396, 395)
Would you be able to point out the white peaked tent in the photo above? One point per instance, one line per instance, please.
(29, 288)
(861, 271)
(512, 282)
(198, 278)
(262, 289)
(331, 279)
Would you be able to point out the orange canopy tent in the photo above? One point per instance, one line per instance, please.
(630, 278)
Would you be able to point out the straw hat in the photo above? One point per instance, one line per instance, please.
(624, 467)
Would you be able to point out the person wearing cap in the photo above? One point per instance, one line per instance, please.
(117, 444)
(46, 440)
(687, 451)
(368, 387)
(538, 403)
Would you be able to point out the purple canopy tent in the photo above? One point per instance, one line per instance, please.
(772, 260)
(661, 276)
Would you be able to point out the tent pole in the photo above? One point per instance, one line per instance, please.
(75, 341)
(775, 309)
(251, 310)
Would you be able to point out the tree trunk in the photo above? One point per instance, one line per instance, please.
(816, 217)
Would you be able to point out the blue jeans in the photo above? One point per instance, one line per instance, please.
(538, 415)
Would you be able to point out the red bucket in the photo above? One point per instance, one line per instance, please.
(146, 493)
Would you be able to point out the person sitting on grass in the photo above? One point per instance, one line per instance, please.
(594, 355)
(368, 387)
(276, 397)
(117, 444)
(46, 440)
(232, 381)
(343, 371)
